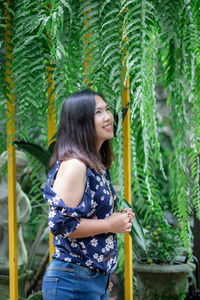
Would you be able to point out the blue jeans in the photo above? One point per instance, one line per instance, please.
(66, 281)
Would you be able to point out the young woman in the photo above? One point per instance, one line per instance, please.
(82, 202)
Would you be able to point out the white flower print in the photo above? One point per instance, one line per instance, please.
(94, 242)
(98, 178)
(57, 252)
(96, 187)
(92, 194)
(50, 201)
(63, 212)
(74, 255)
(100, 258)
(68, 259)
(57, 240)
(91, 212)
(83, 247)
(74, 244)
(56, 199)
(107, 215)
(102, 198)
(110, 242)
(51, 224)
(74, 214)
(95, 255)
(88, 262)
(109, 264)
(93, 204)
(52, 213)
(65, 235)
(101, 183)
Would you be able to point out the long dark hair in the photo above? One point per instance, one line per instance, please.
(76, 133)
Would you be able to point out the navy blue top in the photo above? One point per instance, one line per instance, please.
(98, 251)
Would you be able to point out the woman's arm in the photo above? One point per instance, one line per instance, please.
(116, 223)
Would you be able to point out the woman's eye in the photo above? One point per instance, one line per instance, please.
(97, 112)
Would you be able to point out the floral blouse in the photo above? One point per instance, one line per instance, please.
(98, 251)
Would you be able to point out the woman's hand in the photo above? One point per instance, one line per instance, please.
(130, 213)
(120, 222)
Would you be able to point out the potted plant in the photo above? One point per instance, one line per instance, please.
(162, 272)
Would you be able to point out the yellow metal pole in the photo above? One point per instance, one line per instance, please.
(87, 49)
(51, 121)
(128, 268)
(12, 214)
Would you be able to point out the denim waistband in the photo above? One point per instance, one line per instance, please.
(70, 267)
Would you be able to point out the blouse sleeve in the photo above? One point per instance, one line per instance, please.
(63, 220)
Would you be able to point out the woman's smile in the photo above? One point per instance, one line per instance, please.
(103, 122)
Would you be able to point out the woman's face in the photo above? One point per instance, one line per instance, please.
(103, 122)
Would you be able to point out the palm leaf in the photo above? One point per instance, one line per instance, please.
(36, 151)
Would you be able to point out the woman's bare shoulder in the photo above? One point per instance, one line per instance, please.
(73, 164)
(73, 169)
(70, 181)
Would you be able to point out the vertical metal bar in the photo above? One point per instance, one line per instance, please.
(12, 214)
(128, 268)
(86, 49)
(51, 124)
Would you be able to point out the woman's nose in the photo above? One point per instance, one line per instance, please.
(107, 115)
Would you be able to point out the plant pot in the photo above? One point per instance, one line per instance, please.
(162, 282)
